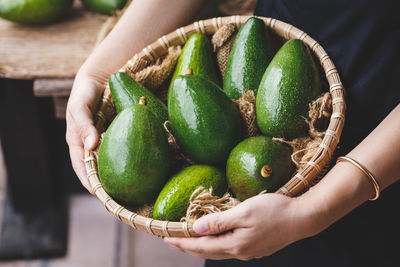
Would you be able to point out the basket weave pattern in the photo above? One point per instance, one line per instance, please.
(298, 183)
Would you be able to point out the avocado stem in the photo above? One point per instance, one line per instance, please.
(266, 171)
(143, 100)
(189, 71)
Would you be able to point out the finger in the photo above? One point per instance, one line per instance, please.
(210, 256)
(77, 154)
(82, 118)
(202, 256)
(205, 245)
(219, 222)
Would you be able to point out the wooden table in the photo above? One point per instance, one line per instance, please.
(37, 67)
(51, 55)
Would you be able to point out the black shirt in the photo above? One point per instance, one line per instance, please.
(362, 37)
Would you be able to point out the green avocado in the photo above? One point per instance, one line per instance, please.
(173, 201)
(104, 6)
(197, 55)
(204, 121)
(134, 158)
(250, 55)
(289, 84)
(126, 92)
(257, 164)
(34, 11)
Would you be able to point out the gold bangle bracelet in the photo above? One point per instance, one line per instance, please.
(365, 171)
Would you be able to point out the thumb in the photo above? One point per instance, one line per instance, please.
(89, 136)
(216, 222)
(87, 132)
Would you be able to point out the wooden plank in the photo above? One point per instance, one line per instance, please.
(56, 50)
(60, 106)
(57, 87)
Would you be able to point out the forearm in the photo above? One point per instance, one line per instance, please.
(345, 187)
(142, 23)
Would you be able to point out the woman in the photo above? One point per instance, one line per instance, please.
(363, 40)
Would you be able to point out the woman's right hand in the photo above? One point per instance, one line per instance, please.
(81, 133)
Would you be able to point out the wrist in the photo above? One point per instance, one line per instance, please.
(308, 216)
(341, 190)
(86, 92)
(94, 75)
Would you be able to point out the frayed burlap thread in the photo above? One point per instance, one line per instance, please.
(176, 150)
(203, 202)
(153, 75)
(304, 148)
(247, 109)
(319, 114)
(222, 42)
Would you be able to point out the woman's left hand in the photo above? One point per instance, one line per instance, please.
(264, 224)
(255, 228)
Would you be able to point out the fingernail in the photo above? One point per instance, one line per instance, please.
(200, 226)
(88, 142)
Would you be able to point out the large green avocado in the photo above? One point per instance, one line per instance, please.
(258, 164)
(289, 84)
(250, 55)
(197, 55)
(126, 92)
(104, 6)
(133, 158)
(204, 121)
(173, 201)
(34, 11)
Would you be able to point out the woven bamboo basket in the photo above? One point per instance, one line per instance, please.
(299, 182)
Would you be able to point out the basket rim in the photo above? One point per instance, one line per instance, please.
(300, 181)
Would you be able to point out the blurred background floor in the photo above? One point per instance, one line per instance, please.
(96, 238)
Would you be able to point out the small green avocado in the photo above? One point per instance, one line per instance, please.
(173, 201)
(198, 56)
(126, 92)
(289, 84)
(134, 157)
(250, 55)
(205, 122)
(34, 11)
(107, 7)
(258, 164)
